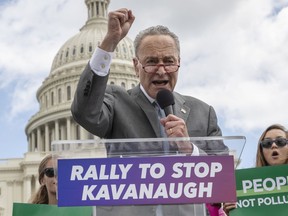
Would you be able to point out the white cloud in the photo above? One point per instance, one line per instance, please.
(25, 100)
(240, 66)
(34, 32)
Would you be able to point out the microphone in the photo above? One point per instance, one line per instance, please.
(165, 100)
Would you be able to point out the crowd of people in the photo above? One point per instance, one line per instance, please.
(111, 112)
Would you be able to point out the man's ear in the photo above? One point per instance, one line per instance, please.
(136, 67)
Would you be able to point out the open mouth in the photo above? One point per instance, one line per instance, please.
(160, 82)
(275, 153)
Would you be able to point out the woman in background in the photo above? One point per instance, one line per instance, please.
(272, 146)
(46, 194)
(272, 150)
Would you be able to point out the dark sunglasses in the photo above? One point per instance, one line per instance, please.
(49, 172)
(280, 142)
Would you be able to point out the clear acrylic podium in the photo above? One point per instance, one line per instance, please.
(136, 152)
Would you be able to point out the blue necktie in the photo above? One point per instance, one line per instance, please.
(161, 114)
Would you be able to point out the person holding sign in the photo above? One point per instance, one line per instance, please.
(272, 150)
(46, 194)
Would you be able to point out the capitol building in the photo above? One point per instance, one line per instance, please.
(53, 121)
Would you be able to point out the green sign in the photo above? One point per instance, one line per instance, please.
(262, 191)
(20, 209)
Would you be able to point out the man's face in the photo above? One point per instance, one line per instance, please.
(157, 50)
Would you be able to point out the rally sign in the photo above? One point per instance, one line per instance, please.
(262, 191)
(146, 180)
(20, 209)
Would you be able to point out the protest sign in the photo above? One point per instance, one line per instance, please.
(146, 180)
(262, 191)
(20, 209)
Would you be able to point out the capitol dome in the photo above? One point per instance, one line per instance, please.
(54, 121)
(79, 48)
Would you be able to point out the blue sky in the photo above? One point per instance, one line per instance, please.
(233, 56)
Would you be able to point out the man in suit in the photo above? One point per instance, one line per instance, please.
(112, 112)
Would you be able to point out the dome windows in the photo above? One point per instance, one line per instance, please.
(82, 49)
(52, 98)
(68, 93)
(124, 48)
(74, 51)
(59, 95)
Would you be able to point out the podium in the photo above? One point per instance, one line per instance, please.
(156, 176)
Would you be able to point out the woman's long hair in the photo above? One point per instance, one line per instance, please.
(41, 196)
(260, 160)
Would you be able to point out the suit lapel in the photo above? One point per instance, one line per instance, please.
(147, 108)
(179, 108)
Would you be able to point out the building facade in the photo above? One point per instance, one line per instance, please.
(53, 121)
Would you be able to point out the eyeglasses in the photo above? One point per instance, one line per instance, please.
(49, 172)
(169, 68)
(153, 68)
(280, 142)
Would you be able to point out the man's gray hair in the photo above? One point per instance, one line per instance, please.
(155, 30)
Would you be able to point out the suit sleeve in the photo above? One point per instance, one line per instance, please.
(215, 147)
(88, 107)
(213, 128)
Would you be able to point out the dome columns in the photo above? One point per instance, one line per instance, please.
(27, 187)
(97, 8)
(39, 143)
(40, 138)
(46, 137)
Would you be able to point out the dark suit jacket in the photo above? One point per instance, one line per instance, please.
(111, 112)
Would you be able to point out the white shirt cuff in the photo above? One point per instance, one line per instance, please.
(195, 151)
(100, 62)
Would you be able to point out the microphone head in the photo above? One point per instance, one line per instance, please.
(165, 98)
